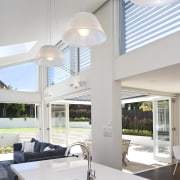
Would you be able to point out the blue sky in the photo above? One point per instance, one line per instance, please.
(21, 77)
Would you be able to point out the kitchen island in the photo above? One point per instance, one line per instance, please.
(67, 169)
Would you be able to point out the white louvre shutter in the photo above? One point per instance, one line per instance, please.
(85, 58)
(143, 25)
(57, 74)
(70, 65)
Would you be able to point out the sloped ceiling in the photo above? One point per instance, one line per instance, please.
(27, 21)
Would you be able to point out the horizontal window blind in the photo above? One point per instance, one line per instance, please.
(74, 61)
(143, 25)
(85, 58)
(57, 74)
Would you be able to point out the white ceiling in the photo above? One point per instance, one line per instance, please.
(27, 20)
(165, 80)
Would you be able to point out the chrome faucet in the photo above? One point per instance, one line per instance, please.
(90, 173)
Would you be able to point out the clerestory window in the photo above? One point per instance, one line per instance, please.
(75, 60)
(142, 25)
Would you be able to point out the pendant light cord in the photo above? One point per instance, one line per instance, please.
(55, 19)
(80, 5)
(49, 21)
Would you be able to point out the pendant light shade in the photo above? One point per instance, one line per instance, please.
(152, 3)
(49, 55)
(84, 30)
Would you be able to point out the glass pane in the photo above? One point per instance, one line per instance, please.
(58, 124)
(58, 74)
(22, 77)
(162, 129)
(18, 123)
(79, 125)
(70, 64)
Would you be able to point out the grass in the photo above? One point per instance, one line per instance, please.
(11, 130)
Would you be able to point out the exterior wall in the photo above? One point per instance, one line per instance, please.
(6, 123)
(19, 97)
(8, 139)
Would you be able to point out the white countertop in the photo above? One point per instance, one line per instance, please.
(67, 169)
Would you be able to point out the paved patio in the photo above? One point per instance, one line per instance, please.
(141, 158)
(8, 156)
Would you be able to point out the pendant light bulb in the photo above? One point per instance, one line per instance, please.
(83, 32)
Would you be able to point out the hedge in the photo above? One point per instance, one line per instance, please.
(137, 132)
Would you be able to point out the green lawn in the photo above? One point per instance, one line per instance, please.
(11, 130)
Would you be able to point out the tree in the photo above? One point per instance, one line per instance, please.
(78, 112)
(15, 110)
(130, 106)
(4, 113)
(146, 106)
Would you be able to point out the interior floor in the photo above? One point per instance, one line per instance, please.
(162, 173)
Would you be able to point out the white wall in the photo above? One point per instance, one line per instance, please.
(156, 55)
(64, 88)
(105, 97)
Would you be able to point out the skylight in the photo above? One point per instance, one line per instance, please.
(16, 49)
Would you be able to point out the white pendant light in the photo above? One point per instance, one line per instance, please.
(84, 30)
(152, 3)
(49, 55)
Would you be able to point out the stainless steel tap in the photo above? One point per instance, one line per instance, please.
(90, 173)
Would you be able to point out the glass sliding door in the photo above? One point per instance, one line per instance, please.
(162, 130)
(70, 123)
(58, 124)
(79, 125)
(18, 123)
(28, 125)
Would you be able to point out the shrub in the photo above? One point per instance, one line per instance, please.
(6, 150)
(137, 132)
(82, 119)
